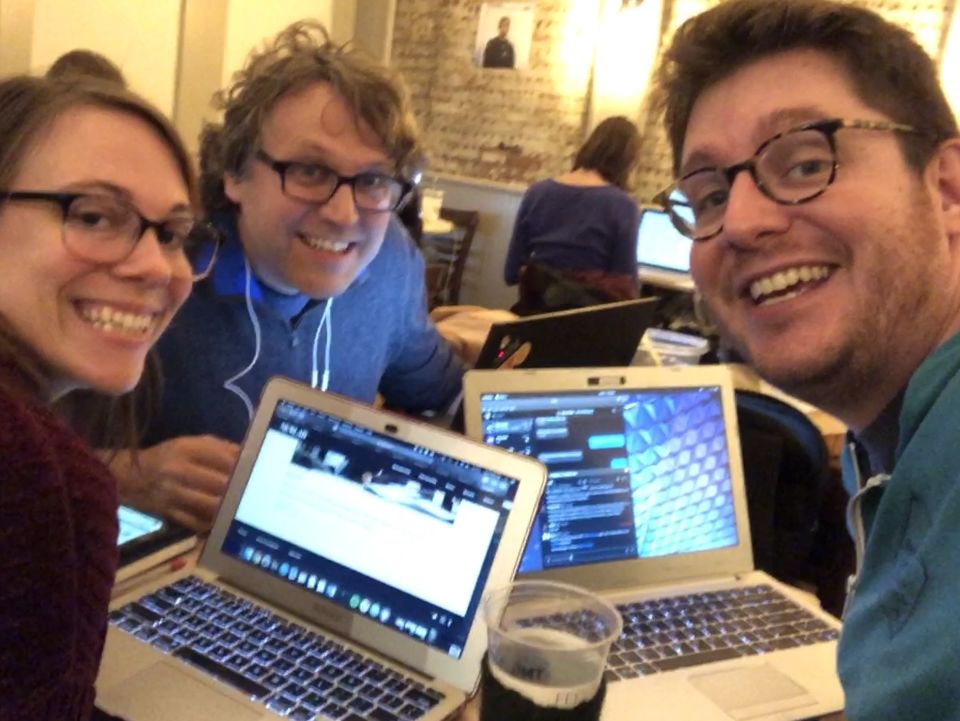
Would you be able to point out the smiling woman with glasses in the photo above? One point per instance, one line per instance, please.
(791, 168)
(100, 247)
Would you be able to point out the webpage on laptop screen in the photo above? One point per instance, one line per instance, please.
(395, 532)
(632, 474)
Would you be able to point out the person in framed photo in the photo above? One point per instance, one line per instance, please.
(498, 52)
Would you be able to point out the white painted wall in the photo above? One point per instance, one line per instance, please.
(372, 26)
(251, 22)
(142, 38)
(16, 32)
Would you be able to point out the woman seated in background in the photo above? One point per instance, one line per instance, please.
(575, 238)
(97, 218)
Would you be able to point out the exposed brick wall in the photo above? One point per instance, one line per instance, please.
(512, 127)
(518, 127)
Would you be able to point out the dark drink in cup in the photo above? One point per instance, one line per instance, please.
(548, 645)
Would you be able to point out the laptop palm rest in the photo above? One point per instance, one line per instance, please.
(763, 688)
(164, 691)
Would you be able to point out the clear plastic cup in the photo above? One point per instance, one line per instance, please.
(431, 202)
(669, 348)
(548, 642)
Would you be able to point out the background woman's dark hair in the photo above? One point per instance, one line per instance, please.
(28, 108)
(612, 150)
(86, 64)
(886, 66)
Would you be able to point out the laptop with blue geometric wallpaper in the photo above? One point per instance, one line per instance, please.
(646, 505)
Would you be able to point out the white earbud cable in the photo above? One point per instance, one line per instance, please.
(324, 322)
(229, 383)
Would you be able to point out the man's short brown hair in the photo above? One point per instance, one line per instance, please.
(888, 68)
(300, 55)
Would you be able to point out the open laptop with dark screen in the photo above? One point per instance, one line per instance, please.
(597, 335)
(646, 504)
(342, 577)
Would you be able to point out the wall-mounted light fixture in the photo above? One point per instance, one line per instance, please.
(625, 4)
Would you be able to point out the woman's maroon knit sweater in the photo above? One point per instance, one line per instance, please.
(58, 531)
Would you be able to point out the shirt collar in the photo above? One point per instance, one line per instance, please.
(877, 443)
(230, 275)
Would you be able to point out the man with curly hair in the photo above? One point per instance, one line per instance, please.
(317, 280)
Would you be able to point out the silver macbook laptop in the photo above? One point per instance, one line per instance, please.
(341, 578)
(645, 503)
(663, 253)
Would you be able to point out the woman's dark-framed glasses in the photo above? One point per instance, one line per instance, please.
(791, 168)
(104, 228)
(315, 183)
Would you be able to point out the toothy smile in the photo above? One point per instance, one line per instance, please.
(104, 317)
(331, 246)
(786, 284)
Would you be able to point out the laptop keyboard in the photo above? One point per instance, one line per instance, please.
(293, 671)
(669, 633)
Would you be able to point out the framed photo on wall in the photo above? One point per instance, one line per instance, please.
(504, 35)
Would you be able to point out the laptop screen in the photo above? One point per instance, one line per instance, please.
(133, 524)
(398, 533)
(632, 473)
(598, 335)
(660, 245)
(143, 541)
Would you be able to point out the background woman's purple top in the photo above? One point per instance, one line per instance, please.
(574, 227)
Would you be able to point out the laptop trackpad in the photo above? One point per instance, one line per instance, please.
(164, 692)
(746, 693)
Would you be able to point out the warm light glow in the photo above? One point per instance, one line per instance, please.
(626, 53)
(950, 64)
(577, 38)
(251, 23)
